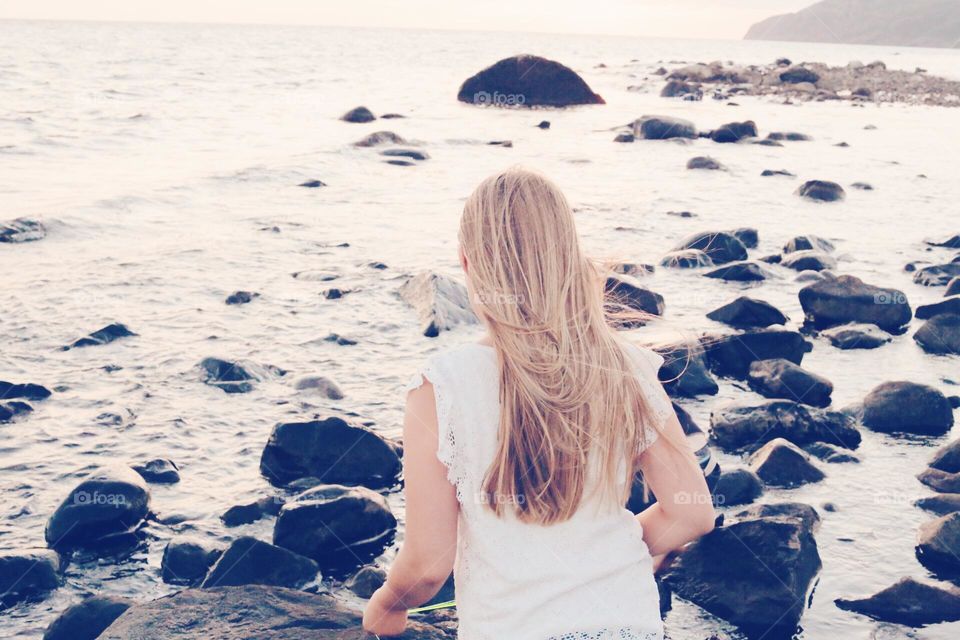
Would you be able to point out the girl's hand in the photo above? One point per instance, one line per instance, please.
(381, 619)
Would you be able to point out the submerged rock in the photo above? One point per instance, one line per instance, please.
(744, 426)
(331, 449)
(186, 560)
(663, 128)
(821, 191)
(808, 261)
(686, 259)
(949, 243)
(705, 162)
(413, 154)
(102, 336)
(940, 334)
(748, 313)
(808, 243)
(907, 407)
(844, 299)
(319, 384)
(10, 410)
(769, 173)
(734, 132)
(737, 486)
(938, 545)
(527, 81)
(87, 619)
(159, 471)
(830, 453)
(790, 136)
(242, 297)
(27, 574)
(311, 184)
(721, 246)
(252, 561)
(749, 236)
(908, 602)
(251, 512)
(780, 463)
(740, 272)
(28, 391)
(680, 89)
(379, 138)
(22, 230)
(234, 377)
(779, 378)
(358, 114)
(441, 302)
(856, 336)
(732, 354)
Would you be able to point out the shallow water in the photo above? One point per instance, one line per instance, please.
(162, 156)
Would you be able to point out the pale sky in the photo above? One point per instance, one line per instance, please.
(668, 18)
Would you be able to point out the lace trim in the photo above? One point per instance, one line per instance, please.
(447, 450)
(625, 633)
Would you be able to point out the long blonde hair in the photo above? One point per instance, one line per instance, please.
(568, 388)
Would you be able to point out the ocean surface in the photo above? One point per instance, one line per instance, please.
(165, 161)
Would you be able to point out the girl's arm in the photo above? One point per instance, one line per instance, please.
(684, 509)
(429, 547)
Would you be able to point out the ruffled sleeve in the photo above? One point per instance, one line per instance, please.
(648, 363)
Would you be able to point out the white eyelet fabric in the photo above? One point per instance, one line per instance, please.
(588, 578)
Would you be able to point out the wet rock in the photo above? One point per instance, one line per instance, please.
(684, 372)
(312, 184)
(940, 481)
(830, 453)
(950, 243)
(87, 619)
(856, 336)
(937, 275)
(335, 525)
(251, 512)
(252, 561)
(247, 612)
(796, 75)
(186, 560)
(680, 89)
(366, 581)
(808, 261)
(940, 504)
(780, 463)
(947, 457)
(779, 378)
(624, 295)
(938, 545)
(862, 186)
(27, 574)
(731, 355)
(769, 564)
(737, 486)
(111, 500)
(28, 391)
(705, 162)
(159, 471)
(22, 230)
(744, 426)
(845, 299)
(358, 114)
(441, 302)
(808, 243)
(940, 334)
(748, 313)
(749, 236)
(947, 305)
(241, 297)
(663, 128)
(686, 259)
(739, 272)
(340, 340)
(332, 449)
(380, 138)
(320, 385)
(401, 163)
(102, 336)
(624, 137)
(11, 410)
(721, 246)
(821, 191)
(234, 377)
(544, 124)
(907, 407)
(790, 136)
(527, 81)
(413, 154)
(768, 173)
(908, 602)
(734, 132)
(798, 512)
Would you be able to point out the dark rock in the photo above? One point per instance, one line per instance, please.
(335, 525)
(392, 116)
(796, 75)
(722, 247)
(949, 243)
(105, 335)
(358, 114)
(953, 288)
(27, 574)
(335, 293)
(737, 486)
(319, 384)
(798, 512)
(159, 471)
(862, 186)
(22, 230)
(379, 138)
(937, 275)
(908, 602)
(10, 410)
(808, 261)
(844, 299)
(186, 560)
(940, 504)
(312, 184)
(947, 458)
(938, 545)
(234, 377)
(413, 154)
(331, 449)
(907, 407)
(9, 390)
(821, 191)
(780, 463)
(856, 336)
(940, 334)
(704, 162)
(749, 426)
(940, 481)
(624, 296)
(748, 313)
(241, 297)
(684, 372)
(624, 137)
(401, 163)
(749, 236)
(781, 378)
(441, 302)
(734, 131)
(340, 340)
(663, 128)
(680, 89)
(739, 272)
(252, 561)
(686, 259)
(767, 173)
(111, 500)
(767, 143)
(790, 136)
(830, 453)
(783, 62)
(732, 354)
(544, 124)
(366, 581)
(251, 512)
(248, 612)
(527, 81)
(808, 243)
(87, 619)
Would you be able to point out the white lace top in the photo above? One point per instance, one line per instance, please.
(590, 577)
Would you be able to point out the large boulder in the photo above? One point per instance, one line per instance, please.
(749, 426)
(111, 500)
(337, 526)
(834, 301)
(186, 560)
(731, 355)
(87, 619)
(734, 131)
(440, 301)
(821, 191)
(780, 463)
(527, 81)
(247, 612)
(748, 313)
(721, 246)
(663, 128)
(331, 449)
(779, 378)
(737, 486)
(762, 584)
(684, 372)
(938, 545)
(252, 561)
(908, 602)
(22, 230)
(907, 407)
(626, 298)
(28, 574)
(940, 334)
(856, 336)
